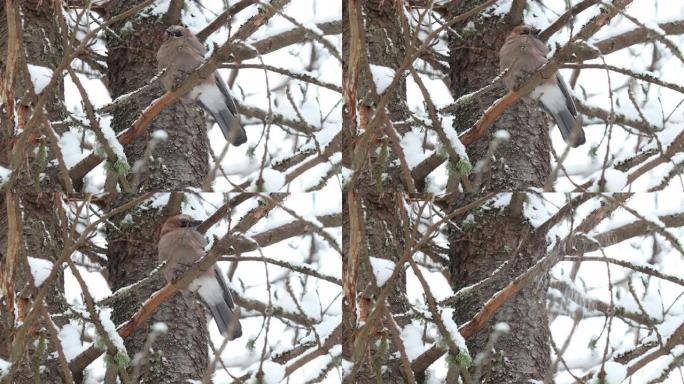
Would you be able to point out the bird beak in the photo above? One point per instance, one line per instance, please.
(196, 223)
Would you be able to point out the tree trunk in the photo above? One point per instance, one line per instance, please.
(42, 42)
(492, 238)
(382, 237)
(181, 354)
(496, 237)
(521, 162)
(40, 237)
(37, 211)
(182, 160)
(379, 206)
(179, 162)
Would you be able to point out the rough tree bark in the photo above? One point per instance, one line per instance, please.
(522, 161)
(40, 238)
(384, 44)
(180, 162)
(485, 242)
(42, 43)
(181, 354)
(495, 237)
(38, 210)
(381, 236)
(381, 231)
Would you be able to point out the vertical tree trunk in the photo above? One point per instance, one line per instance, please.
(383, 45)
(40, 238)
(37, 211)
(491, 239)
(42, 43)
(496, 237)
(381, 229)
(180, 162)
(181, 354)
(522, 161)
(382, 237)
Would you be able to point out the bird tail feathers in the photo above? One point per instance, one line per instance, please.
(570, 127)
(223, 316)
(231, 127)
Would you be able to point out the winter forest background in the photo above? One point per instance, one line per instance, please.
(396, 215)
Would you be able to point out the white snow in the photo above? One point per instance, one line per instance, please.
(502, 134)
(4, 367)
(110, 328)
(452, 328)
(40, 269)
(615, 372)
(159, 327)
(160, 135)
(501, 8)
(502, 327)
(70, 338)
(615, 180)
(412, 335)
(382, 269)
(273, 372)
(110, 136)
(382, 76)
(4, 175)
(411, 144)
(452, 135)
(273, 180)
(70, 143)
(534, 210)
(502, 200)
(40, 76)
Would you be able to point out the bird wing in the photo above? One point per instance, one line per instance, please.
(566, 92)
(224, 287)
(197, 45)
(226, 93)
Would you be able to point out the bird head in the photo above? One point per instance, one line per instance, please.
(524, 30)
(176, 31)
(178, 222)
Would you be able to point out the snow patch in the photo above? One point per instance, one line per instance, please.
(411, 335)
(4, 367)
(615, 180)
(615, 372)
(40, 269)
(412, 145)
(273, 373)
(110, 328)
(160, 135)
(4, 175)
(382, 269)
(70, 338)
(40, 77)
(382, 76)
(273, 180)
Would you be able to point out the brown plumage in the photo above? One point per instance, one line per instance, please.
(522, 54)
(180, 245)
(180, 54)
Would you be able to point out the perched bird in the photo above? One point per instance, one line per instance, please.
(522, 54)
(180, 245)
(180, 54)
